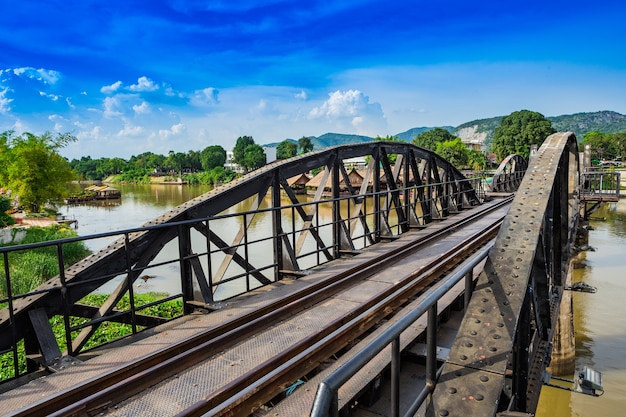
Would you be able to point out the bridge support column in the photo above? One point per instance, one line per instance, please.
(564, 344)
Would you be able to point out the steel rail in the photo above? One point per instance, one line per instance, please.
(126, 380)
(261, 384)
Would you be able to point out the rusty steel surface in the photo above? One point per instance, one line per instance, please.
(511, 311)
(158, 367)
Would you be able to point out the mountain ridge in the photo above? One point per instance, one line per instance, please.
(480, 131)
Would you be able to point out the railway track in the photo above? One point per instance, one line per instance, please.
(268, 377)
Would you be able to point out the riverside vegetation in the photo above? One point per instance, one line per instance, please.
(30, 268)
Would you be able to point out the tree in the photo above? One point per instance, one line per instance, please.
(240, 149)
(31, 166)
(254, 157)
(305, 145)
(518, 131)
(212, 157)
(454, 151)
(477, 160)
(286, 149)
(606, 145)
(431, 138)
(248, 154)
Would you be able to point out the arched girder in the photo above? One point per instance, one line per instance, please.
(423, 187)
(503, 343)
(509, 174)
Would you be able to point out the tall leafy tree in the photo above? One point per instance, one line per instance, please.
(240, 148)
(248, 154)
(519, 131)
(254, 157)
(431, 138)
(31, 166)
(454, 151)
(286, 149)
(305, 145)
(212, 156)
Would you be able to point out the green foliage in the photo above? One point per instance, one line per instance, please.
(454, 151)
(216, 176)
(583, 123)
(5, 219)
(212, 157)
(611, 146)
(31, 166)
(28, 269)
(431, 138)
(286, 149)
(305, 144)
(477, 160)
(248, 154)
(518, 131)
(106, 332)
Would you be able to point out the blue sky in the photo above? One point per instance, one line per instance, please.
(126, 77)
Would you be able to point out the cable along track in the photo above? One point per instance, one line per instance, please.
(216, 370)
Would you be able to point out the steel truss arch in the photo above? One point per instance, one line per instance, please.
(392, 198)
(504, 342)
(509, 174)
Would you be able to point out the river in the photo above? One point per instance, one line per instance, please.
(599, 321)
(599, 318)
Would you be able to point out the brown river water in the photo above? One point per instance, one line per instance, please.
(599, 319)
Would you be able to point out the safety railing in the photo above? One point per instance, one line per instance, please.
(600, 185)
(327, 402)
(363, 219)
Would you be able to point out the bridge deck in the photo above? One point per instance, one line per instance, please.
(183, 390)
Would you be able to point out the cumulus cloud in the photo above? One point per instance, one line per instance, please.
(142, 108)
(205, 96)
(52, 97)
(43, 75)
(144, 84)
(130, 130)
(354, 107)
(111, 107)
(175, 130)
(5, 101)
(301, 95)
(108, 89)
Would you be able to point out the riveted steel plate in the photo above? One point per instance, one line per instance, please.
(464, 392)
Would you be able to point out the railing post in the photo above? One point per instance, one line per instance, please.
(184, 249)
(66, 309)
(469, 283)
(431, 347)
(395, 377)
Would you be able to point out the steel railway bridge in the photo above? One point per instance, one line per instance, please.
(256, 238)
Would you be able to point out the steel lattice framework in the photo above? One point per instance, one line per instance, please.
(418, 188)
(503, 345)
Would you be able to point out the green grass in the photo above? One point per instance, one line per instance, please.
(106, 332)
(30, 268)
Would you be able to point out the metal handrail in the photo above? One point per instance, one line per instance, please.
(326, 402)
(66, 284)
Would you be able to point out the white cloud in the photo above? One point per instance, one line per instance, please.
(142, 108)
(205, 96)
(108, 89)
(130, 130)
(4, 101)
(52, 97)
(352, 107)
(175, 130)
(41, 74)
(111, 107)
(301, 95)
(144, 84)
